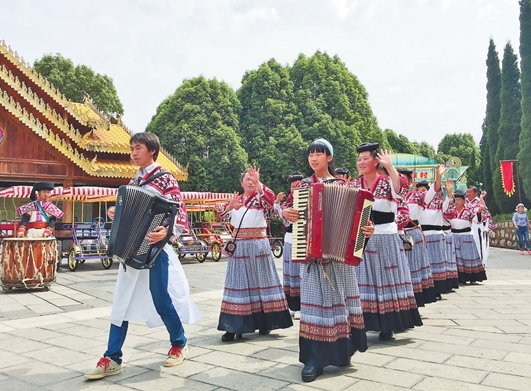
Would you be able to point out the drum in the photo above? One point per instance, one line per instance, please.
(28, 262)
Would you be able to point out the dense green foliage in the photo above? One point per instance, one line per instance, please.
(332, 104)
(490, 125)
(509, 128)
(464, 147)
(285, 108)
(198, 125)
(267, 127)
(524, 154)
(400, 143)
(76, 81)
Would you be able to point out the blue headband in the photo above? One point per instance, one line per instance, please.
(326, 144)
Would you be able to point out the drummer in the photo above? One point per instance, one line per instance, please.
(38, 216)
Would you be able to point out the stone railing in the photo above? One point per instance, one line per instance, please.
(504, 235)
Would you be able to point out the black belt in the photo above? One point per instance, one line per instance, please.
(382, 217)
(446, 227)
(458, 231)
(411, 225)
(289, 228)
(426, 227)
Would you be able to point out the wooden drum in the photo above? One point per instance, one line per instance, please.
(28, 262)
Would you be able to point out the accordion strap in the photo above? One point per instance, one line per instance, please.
(152, 178)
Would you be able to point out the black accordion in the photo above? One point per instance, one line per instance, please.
(138, 212)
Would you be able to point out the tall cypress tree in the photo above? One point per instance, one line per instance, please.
(510, 128)
(491, 123)
(524, 155)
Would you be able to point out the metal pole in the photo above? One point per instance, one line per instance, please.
(518, 182)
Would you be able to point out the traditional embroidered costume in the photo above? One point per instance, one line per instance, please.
(38, 217)
(291, 271)
(481, 228)
(253, 298)
(384, 278)
(132, 299)
(419, 264)
(431, 222)
(331, 325)
(469, 264)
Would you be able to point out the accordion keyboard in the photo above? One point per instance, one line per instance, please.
(299, 242)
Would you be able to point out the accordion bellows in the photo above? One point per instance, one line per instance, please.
(138, 212)
(330, 221)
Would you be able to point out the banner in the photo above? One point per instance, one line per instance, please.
(506, 169)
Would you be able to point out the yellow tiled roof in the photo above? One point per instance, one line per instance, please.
(113, 169)
(116, 140)
(104, 136)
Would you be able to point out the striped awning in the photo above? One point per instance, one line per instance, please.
(205, 196)
(95, 194)
(25, 192)
(89, 194)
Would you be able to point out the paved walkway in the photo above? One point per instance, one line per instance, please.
(478, 338)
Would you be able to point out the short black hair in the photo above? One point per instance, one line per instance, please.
(150, 140)
(318, 147)
(242, 175)
(474, 188)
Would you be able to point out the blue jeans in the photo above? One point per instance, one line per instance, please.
(523, 234)
(158, 285)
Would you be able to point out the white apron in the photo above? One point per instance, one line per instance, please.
(132, 297)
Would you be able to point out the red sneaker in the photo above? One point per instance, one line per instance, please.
(176, 356)
(104, 367)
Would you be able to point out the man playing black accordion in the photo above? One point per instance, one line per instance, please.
(161, 294)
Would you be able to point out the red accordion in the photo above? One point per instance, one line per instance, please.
(330, 221)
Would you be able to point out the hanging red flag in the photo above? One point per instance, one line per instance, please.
(506, 169)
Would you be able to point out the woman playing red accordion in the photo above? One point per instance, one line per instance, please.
(331, 325)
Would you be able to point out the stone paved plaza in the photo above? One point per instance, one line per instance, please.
(478, 338)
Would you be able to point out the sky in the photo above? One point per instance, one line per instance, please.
(422, 62)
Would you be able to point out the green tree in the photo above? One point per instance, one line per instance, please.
(76, 81)
(267, 127)
(524, 154)
(463, 146)
(425, 149)
(491, 124)
(399, 143)
(332, 104)
(199, 125)
(510, 128)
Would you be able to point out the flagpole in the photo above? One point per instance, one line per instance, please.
(518, 181)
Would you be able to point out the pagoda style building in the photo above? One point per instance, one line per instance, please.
(46, 137)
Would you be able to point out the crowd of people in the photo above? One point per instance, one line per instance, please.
(419, 244)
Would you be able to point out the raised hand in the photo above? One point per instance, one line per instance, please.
(449, 185)
(235, 200)
(439, 171)
(384, 158)
(254, 174)
(483, 194)
(280, 197)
